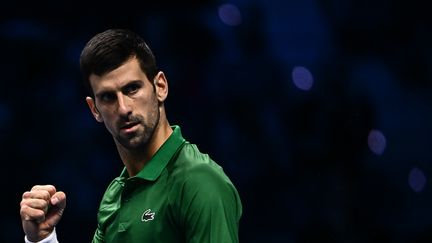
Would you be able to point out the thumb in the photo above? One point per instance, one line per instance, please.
(59, 199)
(55, 212)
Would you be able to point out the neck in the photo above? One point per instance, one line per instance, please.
(136, 159)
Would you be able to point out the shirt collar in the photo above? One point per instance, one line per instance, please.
(160, 159)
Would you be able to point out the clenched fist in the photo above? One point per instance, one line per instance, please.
(41, 209)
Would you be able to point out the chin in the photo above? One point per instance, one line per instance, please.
(133, 143)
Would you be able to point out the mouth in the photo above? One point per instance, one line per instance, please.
(130, 126)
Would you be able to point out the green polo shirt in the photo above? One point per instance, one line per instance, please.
(181, 195)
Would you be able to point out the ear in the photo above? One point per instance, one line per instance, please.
(161, 86)
(92, 105)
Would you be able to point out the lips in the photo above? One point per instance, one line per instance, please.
(129, 126)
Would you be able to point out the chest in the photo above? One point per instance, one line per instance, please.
(140, 212)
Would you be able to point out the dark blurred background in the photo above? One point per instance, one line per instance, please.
(319, 111)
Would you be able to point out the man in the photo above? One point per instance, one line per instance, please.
(168, 190)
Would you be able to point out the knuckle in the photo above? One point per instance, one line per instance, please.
(25, 194)
(45, 195)
(23, 204)
(23, 208)
(35, 187)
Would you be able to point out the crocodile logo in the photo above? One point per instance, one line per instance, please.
(148, 215)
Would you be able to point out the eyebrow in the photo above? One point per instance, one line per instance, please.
(109, 90)
(133, 82)
(103, 92)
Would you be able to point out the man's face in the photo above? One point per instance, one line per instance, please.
(125, 100)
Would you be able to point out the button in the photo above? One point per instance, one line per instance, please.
(122, 227)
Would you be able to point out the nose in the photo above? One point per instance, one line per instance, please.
(124, 106)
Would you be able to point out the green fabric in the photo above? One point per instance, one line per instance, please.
(181, 195)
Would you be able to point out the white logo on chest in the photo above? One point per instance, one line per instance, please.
(148, 215)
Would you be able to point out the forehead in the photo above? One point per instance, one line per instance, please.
(127, 72)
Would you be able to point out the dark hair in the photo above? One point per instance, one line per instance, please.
(108, 50)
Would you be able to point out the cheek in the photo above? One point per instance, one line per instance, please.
(109, 122)
(111, 128)
(145, 105)
(149, 108)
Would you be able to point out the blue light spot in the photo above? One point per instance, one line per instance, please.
(417, 180)
(377, 142)
(230, 14)
(302, 78)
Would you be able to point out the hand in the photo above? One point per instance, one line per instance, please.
(41, 209)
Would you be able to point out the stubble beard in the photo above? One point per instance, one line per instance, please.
(141, 138)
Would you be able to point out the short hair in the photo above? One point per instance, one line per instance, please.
(108, 50)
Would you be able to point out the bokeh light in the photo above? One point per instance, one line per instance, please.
(302, 78)
(377, 142)
(417, 179)
(230, 14)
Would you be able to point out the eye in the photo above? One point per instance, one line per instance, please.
(131, 88)
(107, 97)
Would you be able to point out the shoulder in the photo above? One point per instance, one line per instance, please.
(196, 175)
(195, 169)
(201, 191)
(201, 194)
